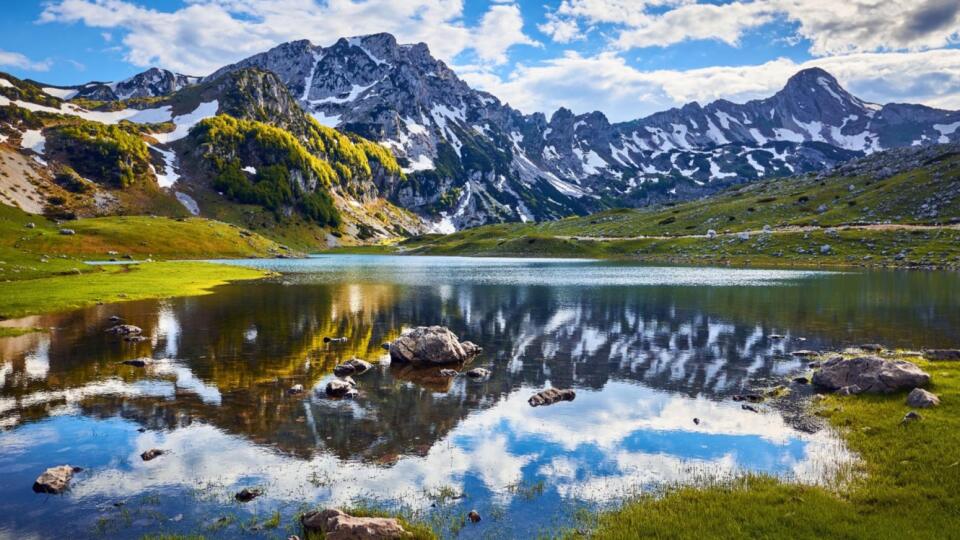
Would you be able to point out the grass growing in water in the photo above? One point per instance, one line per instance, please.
(909, 486)
(116, 284)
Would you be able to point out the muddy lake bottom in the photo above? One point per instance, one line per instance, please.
(648, 349)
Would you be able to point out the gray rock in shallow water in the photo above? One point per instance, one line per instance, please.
(449, 373)
(55, 479)
(338, 525)
(431, 345)
(942, 354)
(551, 396)
(870, 374)
(354, 366)
(125, 330)
(920, 398)
(340, 388)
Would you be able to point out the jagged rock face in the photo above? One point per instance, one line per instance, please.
(154, 82)
(473, 159)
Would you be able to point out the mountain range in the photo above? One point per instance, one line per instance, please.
(466, 158)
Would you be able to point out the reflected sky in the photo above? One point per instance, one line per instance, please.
(648, 350)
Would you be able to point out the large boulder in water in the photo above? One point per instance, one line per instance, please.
(54, 479)
(338, 525)
(870, 374)
(431, 345)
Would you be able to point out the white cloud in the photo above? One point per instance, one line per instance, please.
(562, 30)
(206, 34)
(606, 82)
(851, 26)
(17, 60)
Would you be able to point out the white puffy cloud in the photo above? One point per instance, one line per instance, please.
(206, 34)
(606, 82)
(17, 60)
(851, 26)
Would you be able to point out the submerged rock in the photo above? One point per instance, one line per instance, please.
(942, 354)
(354, 366)
(153, 453)
(478, 373)
(338, 525)
(920, 398)
(55, 479)
(870, 374)
(431, 345)
(248, 494)
(137, 362)
(125, 330)
(551, 396)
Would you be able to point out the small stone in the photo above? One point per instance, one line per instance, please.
(474, 516)
(825, 249)
(696, 421)
(334, 339)
(478, 373)
(449, 372)
(871, 347)
(68, 232)
(804, 353)
(137, 362)
(295, 389)
(920, 398)
(849, 390)
(551, 396)
(31, 225)
(248, 494)
(153, 453)
(340, 388)
(911, 416)
(750, 408)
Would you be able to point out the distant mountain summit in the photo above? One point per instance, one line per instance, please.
(477, 160)
(154, 82)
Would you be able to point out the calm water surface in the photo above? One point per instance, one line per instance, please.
(648, 349)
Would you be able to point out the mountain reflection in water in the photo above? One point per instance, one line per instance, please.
(648, 350)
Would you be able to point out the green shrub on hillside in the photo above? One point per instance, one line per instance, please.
(284, 182)
(107, 154)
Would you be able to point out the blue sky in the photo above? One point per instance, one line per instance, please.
(626, 58)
